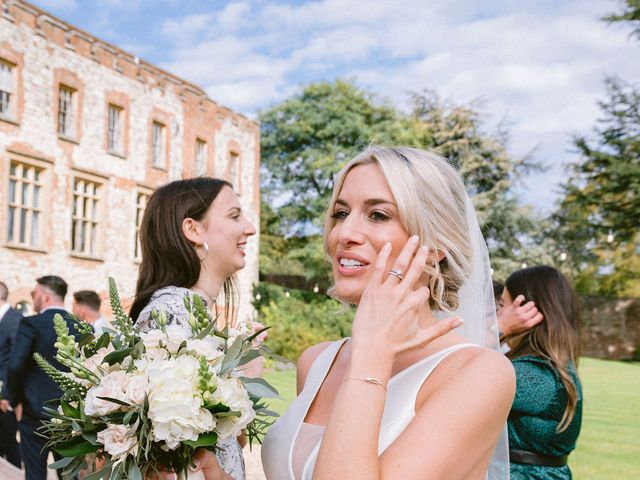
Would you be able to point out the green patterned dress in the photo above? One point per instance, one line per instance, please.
(537, 409)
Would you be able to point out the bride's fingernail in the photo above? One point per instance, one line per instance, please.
(387, 247)
(458, 322)
(414, 239)
(194, 466)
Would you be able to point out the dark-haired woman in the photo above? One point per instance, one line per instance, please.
(193, 238)
(545, 418)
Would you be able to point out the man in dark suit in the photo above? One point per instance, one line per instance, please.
(9, 321)
(28, 385)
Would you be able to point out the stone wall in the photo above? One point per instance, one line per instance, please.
(45, 53)
(610, 327)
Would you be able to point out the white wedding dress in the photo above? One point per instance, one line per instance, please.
(171, 301)
(291, 446)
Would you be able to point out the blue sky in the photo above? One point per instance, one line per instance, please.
(538, 64)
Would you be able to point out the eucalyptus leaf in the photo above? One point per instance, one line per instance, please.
(103, 341)
(133, 471)
(247, 357)
(117, 356)
(75, 447)
(259, 387)
(63, 462)
(101, 474)
(204, 440)
(115, 400)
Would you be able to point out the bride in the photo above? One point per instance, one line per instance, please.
(408, 396)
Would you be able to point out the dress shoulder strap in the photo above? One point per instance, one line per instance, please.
(320, 368)
(405, 385)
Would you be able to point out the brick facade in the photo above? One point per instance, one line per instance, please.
(52, 183)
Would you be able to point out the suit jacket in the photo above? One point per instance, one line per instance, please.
(8, 330)
(28, 383)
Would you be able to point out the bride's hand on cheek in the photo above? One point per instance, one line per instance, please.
(387, 319)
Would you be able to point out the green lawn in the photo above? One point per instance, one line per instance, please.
(609, 444)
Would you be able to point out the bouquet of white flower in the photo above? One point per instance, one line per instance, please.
(144, 401)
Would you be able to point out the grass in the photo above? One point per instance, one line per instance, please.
(609, 443)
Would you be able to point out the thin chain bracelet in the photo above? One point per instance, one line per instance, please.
(371, 380)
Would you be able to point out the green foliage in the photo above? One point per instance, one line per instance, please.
(308, 138)
(121, 319)
(300, 320)
(630, 13)
(458, 133)
(598, 217)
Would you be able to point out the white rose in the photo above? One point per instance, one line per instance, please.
(112, 385)
(175, 404)
(137, 389)
(208, 347)
(118, 441)
(176, 334)
(154, 343)
(97, 360)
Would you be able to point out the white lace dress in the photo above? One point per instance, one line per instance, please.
(171, 301)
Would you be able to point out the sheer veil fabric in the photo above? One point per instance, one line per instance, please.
(477, 308)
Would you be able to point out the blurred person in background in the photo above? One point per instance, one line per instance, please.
(28, 385)
(9, 320)
(86, 306)
(545, 419)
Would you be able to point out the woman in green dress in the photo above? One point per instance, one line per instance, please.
(545, 418)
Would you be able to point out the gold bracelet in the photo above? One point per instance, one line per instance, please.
(371, 380)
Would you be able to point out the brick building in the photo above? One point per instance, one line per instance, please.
(87, 131)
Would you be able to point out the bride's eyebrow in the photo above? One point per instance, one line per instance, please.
(369, 202)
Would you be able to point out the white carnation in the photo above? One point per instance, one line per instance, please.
(118, 441)
(112, 385)
(175, 404)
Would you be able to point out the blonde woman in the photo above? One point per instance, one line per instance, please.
(408, 396)
(546, 415)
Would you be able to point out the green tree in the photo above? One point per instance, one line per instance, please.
(457, 132)
(309, 137)
(598, 218)
(630, 13)
(306, 140)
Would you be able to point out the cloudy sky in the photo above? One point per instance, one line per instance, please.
(538, 64)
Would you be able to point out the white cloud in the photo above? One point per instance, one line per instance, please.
(540, 63)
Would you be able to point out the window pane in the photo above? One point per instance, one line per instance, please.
(94, 234)
(10, 220)
(12, 191)
(24, 196)
(23, 225)
(36, 196)
(35, 216)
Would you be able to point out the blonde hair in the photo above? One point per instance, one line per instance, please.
(431, 199)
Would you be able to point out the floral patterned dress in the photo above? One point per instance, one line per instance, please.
(171, 301)
(537, 409)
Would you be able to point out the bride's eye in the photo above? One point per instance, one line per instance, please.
(378, 216)
(340, 214)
